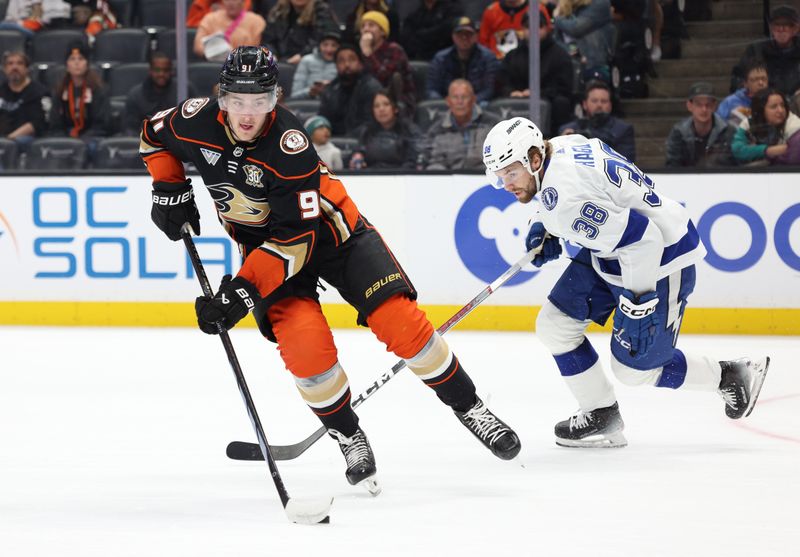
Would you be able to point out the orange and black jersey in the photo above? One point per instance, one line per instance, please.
(274, 196)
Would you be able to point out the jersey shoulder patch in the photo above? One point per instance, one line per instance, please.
(293, 142)
(192, 107)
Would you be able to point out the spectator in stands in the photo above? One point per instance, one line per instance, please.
(456, 139)
(23, 15)
(466, 59)
(92, 16)
(780, 53)
(157, 92)
(555, 71)
(199, 8)
(703, 139)
(735, 108)
(387, 61)
(501, 25)
(318, 129)
(295, 27)
(80, 103)
(772, 133)
(426, 30)
(221, 30)
(352, 31)
(588, 24)
(347, 101)
(598, 121)
(388, 140)
(21, 101)
(317, 68)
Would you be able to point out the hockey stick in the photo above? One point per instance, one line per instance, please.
(301, 512)
(242, 450)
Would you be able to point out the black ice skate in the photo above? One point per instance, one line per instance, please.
(360, 460)
(601, 428)
(491, 430)
(740, 385)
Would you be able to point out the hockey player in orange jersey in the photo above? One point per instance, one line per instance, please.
(295, 223)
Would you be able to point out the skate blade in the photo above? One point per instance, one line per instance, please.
(371, 485)
(760, 369)
(611, 441)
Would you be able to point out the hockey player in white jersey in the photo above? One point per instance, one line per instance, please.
(637, 261)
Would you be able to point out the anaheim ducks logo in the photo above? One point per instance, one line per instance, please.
(234, 206)
(192, 106)
(293, 142)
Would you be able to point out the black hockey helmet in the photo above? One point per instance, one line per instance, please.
(249, 69)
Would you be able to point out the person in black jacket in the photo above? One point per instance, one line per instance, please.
(21, 111)
(80, 104)
(347, 100)
(555, 71)
(157, 92)
(388, 140)
(295, 27)
(426, 30)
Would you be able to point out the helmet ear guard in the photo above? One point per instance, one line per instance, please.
(508, 142)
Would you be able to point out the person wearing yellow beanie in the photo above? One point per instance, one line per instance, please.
(386, 60)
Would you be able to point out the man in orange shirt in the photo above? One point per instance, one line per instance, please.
(501, 24)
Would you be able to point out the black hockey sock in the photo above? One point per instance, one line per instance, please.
(339, 415)
(454, 387)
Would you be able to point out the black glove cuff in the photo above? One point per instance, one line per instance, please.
(171, 199)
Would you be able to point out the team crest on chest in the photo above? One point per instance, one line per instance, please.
(192, 107)
(293, 142)
(253, 175)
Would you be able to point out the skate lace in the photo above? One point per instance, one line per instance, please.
(484, 423)
(355, 448)
(580, 420)
(730, 397)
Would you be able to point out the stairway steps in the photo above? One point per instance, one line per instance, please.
(678, 87)
(713, 49)
(696, 67)
(725, 29)
(654, 107)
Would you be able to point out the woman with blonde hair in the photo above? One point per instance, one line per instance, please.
(295, 27)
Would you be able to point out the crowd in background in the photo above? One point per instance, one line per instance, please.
(421, 92)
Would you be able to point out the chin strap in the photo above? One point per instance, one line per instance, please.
(535, 174)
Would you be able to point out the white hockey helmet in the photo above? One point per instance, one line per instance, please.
(508, 142)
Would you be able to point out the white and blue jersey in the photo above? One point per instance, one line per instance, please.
(594, 197)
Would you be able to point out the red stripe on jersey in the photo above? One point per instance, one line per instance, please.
(278, 174)
(188, 140)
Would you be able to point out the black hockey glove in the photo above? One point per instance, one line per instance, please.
(173, 208)
(234, 300)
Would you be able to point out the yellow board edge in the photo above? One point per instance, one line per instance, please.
(722, 321)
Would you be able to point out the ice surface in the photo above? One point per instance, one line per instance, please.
(112, 443)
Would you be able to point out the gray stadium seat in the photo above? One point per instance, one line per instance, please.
(56, 153)
(155, 13)
(114, 153)
(285, 77)
(204, 75)
(51, 46)
(125, 77)
(420, 69)
(124, 46)
(12, 40)
(428, 111)
(165, 41)
(508, 108)
(303, 108)
(8, 154)
(347, 145)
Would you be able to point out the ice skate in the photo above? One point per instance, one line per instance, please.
(360, 460)
(599, 428)
(740, 385)
(490, 430)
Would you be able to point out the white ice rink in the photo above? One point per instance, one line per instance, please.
(112, 443)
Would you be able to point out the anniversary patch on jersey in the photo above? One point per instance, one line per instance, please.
(253, 175)
(293, 142)
(192, 106)
(549, 198)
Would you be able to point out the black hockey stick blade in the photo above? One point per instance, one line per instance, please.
(242, 450)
